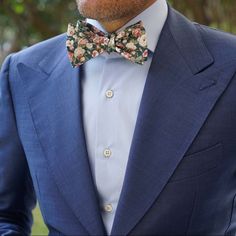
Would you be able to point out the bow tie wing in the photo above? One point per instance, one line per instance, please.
(131, 43)
(84, 42)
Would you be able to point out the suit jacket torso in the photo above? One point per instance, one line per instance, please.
(180, 177)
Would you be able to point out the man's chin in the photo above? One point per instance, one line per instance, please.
(104, 10)
(88, 13)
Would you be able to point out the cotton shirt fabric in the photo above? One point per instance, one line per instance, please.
(112, 89)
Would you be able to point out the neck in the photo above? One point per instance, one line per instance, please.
(112, 26)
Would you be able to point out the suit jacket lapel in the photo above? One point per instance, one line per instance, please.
(176, 101)
(54, 96)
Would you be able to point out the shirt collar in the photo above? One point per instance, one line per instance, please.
(153, 19)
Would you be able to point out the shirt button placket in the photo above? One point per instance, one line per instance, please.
(109, 93)
(107, 153)
(108, 208)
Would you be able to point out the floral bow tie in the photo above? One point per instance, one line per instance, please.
(84, 42)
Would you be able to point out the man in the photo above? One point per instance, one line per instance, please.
(138, 140)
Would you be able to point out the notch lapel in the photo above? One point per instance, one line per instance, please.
(55, 101)
(176, 101)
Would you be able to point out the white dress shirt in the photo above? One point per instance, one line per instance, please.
(112, 89)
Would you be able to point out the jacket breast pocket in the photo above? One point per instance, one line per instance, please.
(198, 163)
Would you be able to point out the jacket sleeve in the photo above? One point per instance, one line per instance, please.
(17, 196)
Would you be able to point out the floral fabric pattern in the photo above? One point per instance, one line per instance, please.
(84, 42)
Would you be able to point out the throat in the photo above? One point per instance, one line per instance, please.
(113, 25)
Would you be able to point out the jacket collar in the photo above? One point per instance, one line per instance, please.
(189, 41)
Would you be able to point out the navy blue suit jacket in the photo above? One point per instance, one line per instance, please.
(181, 173)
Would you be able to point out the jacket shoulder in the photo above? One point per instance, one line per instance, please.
(221, 45)
(37, 52)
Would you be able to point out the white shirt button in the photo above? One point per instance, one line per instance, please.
(107, 153)
(108, 208)
(109, 93)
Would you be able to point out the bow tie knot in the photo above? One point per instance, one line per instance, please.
(111, 46)
(84, 42)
